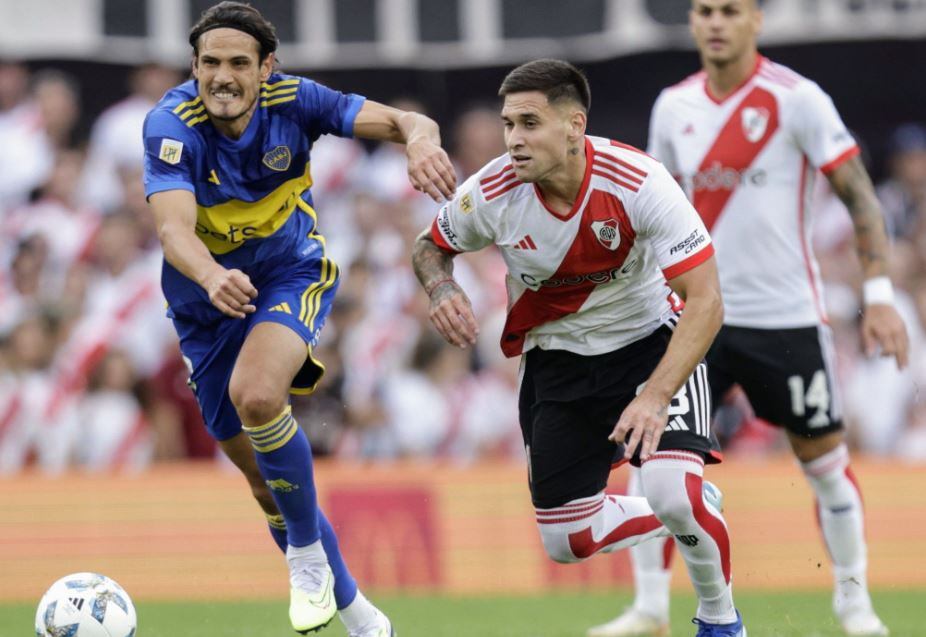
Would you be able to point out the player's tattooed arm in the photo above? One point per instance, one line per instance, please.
(450, 310)
(882, 327)
(851, 183)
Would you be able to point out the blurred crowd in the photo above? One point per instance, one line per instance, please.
(91, 375)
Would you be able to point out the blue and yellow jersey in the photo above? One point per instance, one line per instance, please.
(253, 201)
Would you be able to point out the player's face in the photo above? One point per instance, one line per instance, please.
(724, 30)
(537, 134)
(229, 72)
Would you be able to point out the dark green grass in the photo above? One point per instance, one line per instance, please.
(804, 614)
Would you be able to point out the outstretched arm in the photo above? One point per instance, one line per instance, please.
(881, 324)
(647, 414)
(429, 167)
(450, 310)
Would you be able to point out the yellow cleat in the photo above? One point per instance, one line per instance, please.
(311, 600)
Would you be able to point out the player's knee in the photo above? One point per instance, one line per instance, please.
(254, 403)
(558, 549)
(671, 508)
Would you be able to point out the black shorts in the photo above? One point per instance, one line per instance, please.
(569, 405)
(786, 374)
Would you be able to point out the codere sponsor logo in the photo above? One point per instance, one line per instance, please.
(720, 177)
(690, 243)
(580, 279)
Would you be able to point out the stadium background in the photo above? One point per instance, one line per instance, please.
(103, 465)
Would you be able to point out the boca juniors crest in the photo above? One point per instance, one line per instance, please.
(278, 159)
(755, 121)
(608, 233)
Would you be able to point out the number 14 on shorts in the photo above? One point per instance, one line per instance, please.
(816, 396)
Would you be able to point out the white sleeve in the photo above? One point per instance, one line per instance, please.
(819, 130)
(658, 142)
(461, 225)
(662, 215)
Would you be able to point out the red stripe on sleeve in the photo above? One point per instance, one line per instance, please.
(440, 241)
(830, 166)
(691, 262)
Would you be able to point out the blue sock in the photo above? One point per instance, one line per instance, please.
(277, 526)
(285, 462)
(345, 586)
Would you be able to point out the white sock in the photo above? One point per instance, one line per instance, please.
(672, 482)
(651, 560)
(597, 524)
(839, 505)
(358, 614)
(313, 552)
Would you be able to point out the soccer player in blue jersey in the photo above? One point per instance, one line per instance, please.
(247, 277)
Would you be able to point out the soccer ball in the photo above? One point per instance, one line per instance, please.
(85, 605)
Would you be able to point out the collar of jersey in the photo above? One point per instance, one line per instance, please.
(583, 189)
(760, 59)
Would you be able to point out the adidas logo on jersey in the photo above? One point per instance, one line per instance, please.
(281, 307)
(526, 244)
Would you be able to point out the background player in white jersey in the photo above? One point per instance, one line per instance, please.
(591, 230)
(746, 138)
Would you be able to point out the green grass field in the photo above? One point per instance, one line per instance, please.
(766, 615)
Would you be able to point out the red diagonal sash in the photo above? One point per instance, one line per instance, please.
(585, 256)
(732, 150)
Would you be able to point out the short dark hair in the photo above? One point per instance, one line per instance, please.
(240, 16)
(556, 79)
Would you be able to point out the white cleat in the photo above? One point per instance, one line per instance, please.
(862, 622)
(311, 599)
(379, 627)
(631, 623)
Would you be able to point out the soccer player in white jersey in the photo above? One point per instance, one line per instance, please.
(746, 138)
(601, 246)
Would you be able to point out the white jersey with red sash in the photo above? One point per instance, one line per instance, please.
(748, 163)
(593, 280)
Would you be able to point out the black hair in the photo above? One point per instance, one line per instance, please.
(556, 79)
(240, 16)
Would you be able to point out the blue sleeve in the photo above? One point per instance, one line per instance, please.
(169, 147)
(326, 111)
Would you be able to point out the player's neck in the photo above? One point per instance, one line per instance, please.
(561, 188)
(234, 129)
(723, 79)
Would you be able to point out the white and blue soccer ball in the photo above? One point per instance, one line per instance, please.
(85, 605)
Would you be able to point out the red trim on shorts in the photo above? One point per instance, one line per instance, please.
(706, 520)
(830, 166)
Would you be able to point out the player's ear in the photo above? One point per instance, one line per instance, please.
(194, 67)
(577, 124)
(266, 66)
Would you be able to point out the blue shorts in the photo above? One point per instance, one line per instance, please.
(296, 294)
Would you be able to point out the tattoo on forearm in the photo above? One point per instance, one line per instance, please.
(851, 182)
(430, 262)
